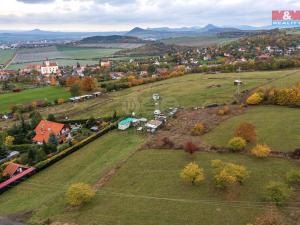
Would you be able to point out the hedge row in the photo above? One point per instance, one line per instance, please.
(48, 162)
(106, 119)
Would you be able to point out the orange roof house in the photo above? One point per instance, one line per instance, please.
(13, 169)
(45, 128)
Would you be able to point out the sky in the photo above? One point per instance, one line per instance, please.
(122, 15)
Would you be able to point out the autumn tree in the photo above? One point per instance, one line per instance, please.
(246, 131)
(9, 140)
(79, 194)
(71, 80)
(192, 173)
(60, 101)
(254, 99)
(227, 174)
(237, 144)
(198, 129)
(261, 151)
(190, 147)
(88, 84)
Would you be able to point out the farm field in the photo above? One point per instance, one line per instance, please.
(187, 91)
(197, 41)
(27, 96)
(63, 55)
(146, 190)
(86, 53)
(276, 126)
(86, 165)
(6, 55)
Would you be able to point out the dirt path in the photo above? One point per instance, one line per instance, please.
(10, 61)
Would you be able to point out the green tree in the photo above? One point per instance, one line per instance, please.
(53, 140)
(51, 117)
(237, 144)
(75, 89)
(151, 69)
(3, 152)
(277, 192)
(91, 122)
(35, 119)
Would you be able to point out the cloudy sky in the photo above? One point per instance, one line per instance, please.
(118, 15)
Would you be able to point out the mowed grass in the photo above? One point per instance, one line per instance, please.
(44, 192)
(187, 91)
(148, 190)
(276, 126)
(6, 55)
(27, 96)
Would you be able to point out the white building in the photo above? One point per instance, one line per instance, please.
(48, 68)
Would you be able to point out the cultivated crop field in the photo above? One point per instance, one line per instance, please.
(27, 96)
(63, 55)
(6, 55)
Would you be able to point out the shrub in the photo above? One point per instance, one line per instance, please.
(9, 140)
(79, 194)
(165, 142)
(198, 129)
(261, 151)
(237, 144)
(254, 99)
(192, 173)
(60, 101)
(293, 177)
(224, 111)
(277, 192)
(246, 131)
(227, 174)
(190, 147)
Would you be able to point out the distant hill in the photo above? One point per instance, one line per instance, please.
(112, 39)
(165, 32)
(155, 48)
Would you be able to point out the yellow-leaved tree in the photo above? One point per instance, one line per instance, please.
(254, 99)
(227, 174)
(192, 173)
(261, 151)
(79, 194)
(9, 140)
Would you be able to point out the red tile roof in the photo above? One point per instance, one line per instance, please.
(12, 168)
(8, 182)
(45, 128)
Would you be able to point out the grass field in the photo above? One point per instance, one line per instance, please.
(86, 165)
(147, 190)
(6, 55)
(276, 126)
(187, 91)
(27, 96)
